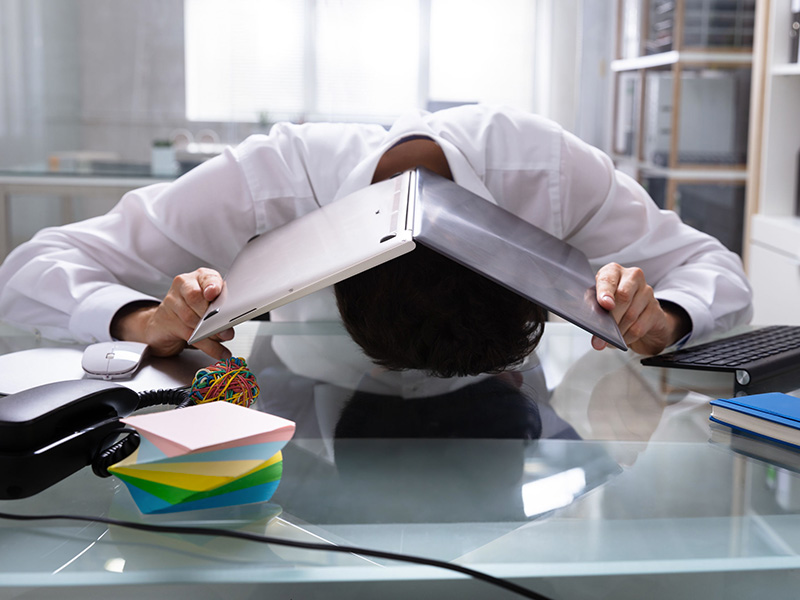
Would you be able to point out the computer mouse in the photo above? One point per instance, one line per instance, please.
(113, 360)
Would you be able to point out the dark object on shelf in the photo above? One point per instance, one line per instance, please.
(714, 23)
(716, 209)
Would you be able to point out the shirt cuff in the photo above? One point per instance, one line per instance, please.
(699, 314)
(91, 321)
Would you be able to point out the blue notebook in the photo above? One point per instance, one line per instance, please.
(773, 416)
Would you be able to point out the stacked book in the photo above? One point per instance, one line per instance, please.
(206, 456)
(774, 416)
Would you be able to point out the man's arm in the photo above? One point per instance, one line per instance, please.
(549, 177)
(673, 280)
(69, 282)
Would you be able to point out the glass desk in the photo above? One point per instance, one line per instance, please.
(627, 493)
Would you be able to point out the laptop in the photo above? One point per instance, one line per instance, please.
(387, 219)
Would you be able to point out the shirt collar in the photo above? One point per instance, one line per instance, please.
(415, 125)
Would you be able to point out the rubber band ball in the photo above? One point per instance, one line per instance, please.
(227, 380)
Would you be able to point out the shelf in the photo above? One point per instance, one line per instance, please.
(711, 175)
(786, 69)
(781, 233)
(773, 254)
(735, 173)
(674, 57)
(681, 113)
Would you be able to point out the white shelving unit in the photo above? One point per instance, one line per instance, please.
(681, 96)
(773, 252)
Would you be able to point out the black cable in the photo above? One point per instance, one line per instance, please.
(116, 452)
(178, 397)
(265, 539)
(119, 450)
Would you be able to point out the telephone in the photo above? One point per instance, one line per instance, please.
(51, 431)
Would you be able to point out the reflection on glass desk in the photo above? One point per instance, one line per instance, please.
(580, 475)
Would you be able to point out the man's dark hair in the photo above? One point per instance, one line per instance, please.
(424, 311)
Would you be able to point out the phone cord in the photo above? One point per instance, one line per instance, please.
(123, 448)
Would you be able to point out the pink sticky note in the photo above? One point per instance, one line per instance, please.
(210, 426)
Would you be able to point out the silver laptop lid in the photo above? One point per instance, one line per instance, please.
(510, 251)
(337, 241)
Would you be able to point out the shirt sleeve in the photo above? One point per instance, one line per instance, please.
(68, 282)
(612, 219)
(547, 176)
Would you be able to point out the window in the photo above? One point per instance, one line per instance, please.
(251, 60)
(483, 53)
(243, 57)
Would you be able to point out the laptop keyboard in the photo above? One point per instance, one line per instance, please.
(755, 355)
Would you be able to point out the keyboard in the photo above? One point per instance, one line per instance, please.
(753, 356)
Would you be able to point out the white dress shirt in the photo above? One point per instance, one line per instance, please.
(68, 282)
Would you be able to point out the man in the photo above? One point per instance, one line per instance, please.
(147, 270)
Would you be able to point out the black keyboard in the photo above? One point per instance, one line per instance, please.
(752, 356)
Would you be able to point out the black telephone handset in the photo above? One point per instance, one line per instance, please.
(51, 431)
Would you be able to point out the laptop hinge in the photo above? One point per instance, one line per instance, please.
(412, 214)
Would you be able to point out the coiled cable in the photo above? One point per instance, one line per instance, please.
(122, 448)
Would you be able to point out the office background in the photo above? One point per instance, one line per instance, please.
(664, 87)
(109, 77)
(96, 82)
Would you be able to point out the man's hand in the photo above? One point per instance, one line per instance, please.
(646, 325)
(166, 327)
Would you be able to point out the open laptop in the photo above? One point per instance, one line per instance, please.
(385, 220)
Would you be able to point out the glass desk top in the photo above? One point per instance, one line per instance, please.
(580, 474)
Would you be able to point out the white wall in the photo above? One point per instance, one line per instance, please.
(132, 80)
(575, 46)
(594, 93)
(40, 93)
(132, 83)
(102, 75)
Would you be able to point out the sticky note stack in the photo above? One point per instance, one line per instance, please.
(205, 456)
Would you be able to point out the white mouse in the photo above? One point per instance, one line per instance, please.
(113, 360)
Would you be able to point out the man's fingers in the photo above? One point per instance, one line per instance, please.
(643, 323)
(195, 290)
(213, 348)
(166, 327)
(182, 312)
(607, 281)
(629, 289)
(194, 296)
(646, 321)
(636, 309)
(210, 282)
(226, 335)
(168, 332)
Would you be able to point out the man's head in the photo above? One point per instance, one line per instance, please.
(424, 311)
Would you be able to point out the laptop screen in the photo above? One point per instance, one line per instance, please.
(511, 252)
